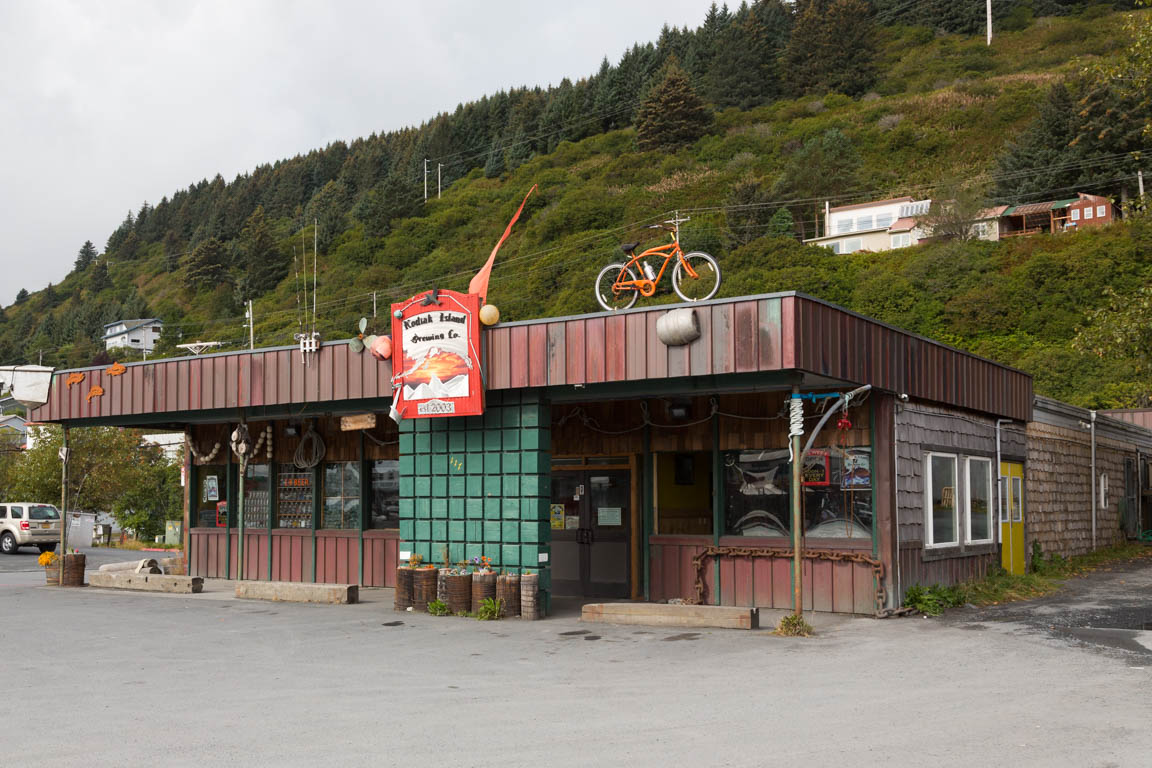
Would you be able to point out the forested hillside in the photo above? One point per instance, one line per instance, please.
(747, 124)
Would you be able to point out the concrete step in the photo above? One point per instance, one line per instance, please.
(145, 582)
(665, 615)
(294, 592)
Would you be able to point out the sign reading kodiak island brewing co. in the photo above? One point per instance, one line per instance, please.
(436, 355)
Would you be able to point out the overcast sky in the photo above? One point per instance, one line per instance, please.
(104, 105)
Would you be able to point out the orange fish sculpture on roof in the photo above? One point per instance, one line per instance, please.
(115, 369)
(96, 391)
(74, 378)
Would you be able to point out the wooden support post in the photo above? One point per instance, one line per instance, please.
(797, 523)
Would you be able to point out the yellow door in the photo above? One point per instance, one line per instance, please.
(1012, 517)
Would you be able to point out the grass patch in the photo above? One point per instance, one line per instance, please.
(132, 544)
(794, 626)
(1047, 576)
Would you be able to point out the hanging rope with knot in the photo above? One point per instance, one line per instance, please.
(795, 424)
(311, 450)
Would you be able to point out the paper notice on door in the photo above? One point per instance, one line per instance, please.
(572, 522)
(608, 516)
(557, 517)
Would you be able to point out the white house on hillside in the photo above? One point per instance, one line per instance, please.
(141, 334)
(886, 224)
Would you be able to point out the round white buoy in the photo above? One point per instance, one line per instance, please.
(489, 314)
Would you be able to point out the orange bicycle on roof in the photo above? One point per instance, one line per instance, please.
(695, 277)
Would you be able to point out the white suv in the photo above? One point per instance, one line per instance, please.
(24, 523)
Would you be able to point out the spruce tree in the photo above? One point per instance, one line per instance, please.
(782, 224)
(21, 296)
(205, 266)
(98, 278)
(672, 115)
(263, 264)
(832, 48)
(86, 256)
(746, 212)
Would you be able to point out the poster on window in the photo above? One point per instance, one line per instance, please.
(211, 488)
(816, 470)
(857, 472)
(436, 355)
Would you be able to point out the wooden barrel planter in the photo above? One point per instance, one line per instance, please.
(483, 586)
(442, 584)
(403, 598)
(423, 587)
(529, 592)
(73, 571)
(508, 593)
(458, 587)
(52, 575)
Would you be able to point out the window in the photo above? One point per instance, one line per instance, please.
(43, 512)
(1087, 212)
(342, 495)
(863, 222)
(17, 513)
(851, 246)
(884, 220)
(1076, 214)
(843, 225)
(838, 493)
(1017, 500)
(981, 229)
(914, 209)
(257, 495)
(940, 501)
(293, 497)
(835, 247)
(1101, 211)
(385, 494)
(903, 240)
(1004, 498)
(979, 501)
(756, 493)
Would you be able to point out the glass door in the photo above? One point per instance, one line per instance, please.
(566, 516)
(591, 542)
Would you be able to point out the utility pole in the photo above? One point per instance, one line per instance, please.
(438, 167)
(425, 179)
(1140, 182)
(797, 488)
(989, 21)
(63, 502)
(251, 326)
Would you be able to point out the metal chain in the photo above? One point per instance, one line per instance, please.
(812, 554)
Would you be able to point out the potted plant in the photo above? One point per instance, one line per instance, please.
(458, 589)
(508, 593)
(423, 582)
(51, 565)
(403, 598)
(73, 569)
(483, 581)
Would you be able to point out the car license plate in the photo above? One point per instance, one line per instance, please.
(45, 525)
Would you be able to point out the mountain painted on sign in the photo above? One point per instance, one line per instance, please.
(440, 374)
(457, 386)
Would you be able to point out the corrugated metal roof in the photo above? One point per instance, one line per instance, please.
(1051, 205)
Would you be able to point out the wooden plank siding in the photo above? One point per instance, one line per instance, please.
(774, 332)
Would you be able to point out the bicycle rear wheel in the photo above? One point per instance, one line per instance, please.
(613, 297)
(706, 283)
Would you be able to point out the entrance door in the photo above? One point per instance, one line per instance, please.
(1012, 553)
(590, 554)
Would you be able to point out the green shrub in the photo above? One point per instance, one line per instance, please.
(933, 600)
(490, 609)
(438, 608)
(794, 626)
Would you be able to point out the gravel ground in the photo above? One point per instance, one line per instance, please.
(207, 680)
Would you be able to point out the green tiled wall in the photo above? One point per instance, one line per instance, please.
(480, 485)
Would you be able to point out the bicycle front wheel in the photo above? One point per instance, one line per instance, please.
(612, 296)
(706, 282)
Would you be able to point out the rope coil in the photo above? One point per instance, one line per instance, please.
(795, 424)
(311, 450)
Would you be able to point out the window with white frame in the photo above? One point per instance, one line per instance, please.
(835, 246)
(1075, 214)
(1101, 211)
(884, 220)
(1088, 212)
(978, 503)
(981, 229)
(902, 240)
(915, 209)
(863, 222)
(843, 226)
(940, 501)
(851, 246)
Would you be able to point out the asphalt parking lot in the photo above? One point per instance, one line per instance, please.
(123, 678)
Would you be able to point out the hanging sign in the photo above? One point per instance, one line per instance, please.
(357, 421)
(436, 338)
(816, 468)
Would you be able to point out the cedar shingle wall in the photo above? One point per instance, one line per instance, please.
(1058, 511)
(922, 428)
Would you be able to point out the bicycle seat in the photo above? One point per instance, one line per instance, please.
(628, 247)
